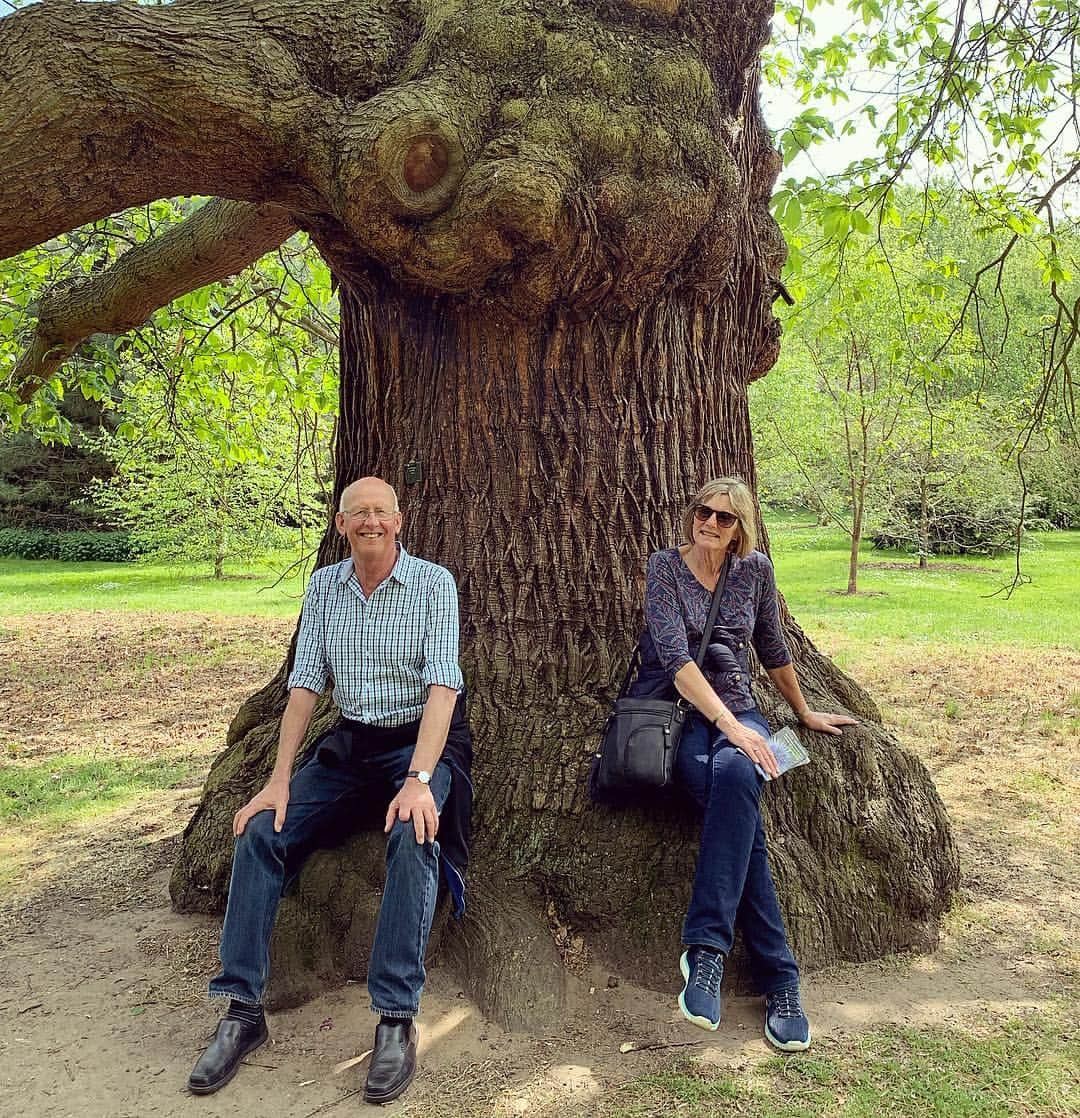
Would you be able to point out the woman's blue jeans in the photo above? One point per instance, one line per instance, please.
(326, 802)
(733, 886)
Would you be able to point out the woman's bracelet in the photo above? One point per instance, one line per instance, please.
(801, 714)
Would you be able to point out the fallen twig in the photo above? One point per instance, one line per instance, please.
(629, 1046)
(352, 1062)
(330, 1105)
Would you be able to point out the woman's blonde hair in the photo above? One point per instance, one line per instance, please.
(742, 502)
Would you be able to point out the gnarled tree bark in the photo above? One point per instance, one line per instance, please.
(550, 227)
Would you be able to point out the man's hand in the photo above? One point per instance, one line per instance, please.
(274, 797)
(826, 723)
(414, 802)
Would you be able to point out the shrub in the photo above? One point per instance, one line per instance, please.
(71, 547)
(1053, 475)
(958, 523)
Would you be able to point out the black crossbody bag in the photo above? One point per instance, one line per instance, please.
(641, 736)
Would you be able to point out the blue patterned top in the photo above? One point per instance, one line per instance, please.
(676, 609)
(383, 652)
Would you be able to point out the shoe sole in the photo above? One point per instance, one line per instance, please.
(788, 1046)
(693, 1018)
(210, 1088)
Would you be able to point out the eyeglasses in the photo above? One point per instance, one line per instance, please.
(363, 514)
(724, 518)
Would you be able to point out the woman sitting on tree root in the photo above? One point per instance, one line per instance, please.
(723, 755)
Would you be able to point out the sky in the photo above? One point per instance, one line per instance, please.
(781, 106)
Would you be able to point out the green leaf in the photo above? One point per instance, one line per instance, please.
(860, 222)
(835, 221)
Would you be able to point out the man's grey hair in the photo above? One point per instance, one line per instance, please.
(341, 499)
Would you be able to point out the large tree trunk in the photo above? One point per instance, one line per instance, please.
(551, 226)
(555, 457)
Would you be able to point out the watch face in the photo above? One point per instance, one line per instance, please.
(424, 777)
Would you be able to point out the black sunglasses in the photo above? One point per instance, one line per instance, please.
(724, 518)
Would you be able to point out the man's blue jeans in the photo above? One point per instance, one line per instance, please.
(733, 886)
(325, 802)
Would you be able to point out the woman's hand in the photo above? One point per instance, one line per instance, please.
(826, 723)
(755, 747)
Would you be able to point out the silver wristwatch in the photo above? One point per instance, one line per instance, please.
(421, 774)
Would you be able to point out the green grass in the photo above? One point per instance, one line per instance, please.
(948, 606)
(42, 586)
(62, 789)
(1022, 1066)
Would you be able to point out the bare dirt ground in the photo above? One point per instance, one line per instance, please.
(101, 985)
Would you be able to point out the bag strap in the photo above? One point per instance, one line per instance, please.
(631, 668)
(706, 633)
(714, 606)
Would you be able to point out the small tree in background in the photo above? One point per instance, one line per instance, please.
(176, 499)
(856, 364)
(221, 470)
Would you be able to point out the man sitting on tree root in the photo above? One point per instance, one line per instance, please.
(384, 626)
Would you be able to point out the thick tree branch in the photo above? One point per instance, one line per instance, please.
(108, 105)
(217, 241)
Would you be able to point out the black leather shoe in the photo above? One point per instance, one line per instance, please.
(393, 1062)
(219, 1063)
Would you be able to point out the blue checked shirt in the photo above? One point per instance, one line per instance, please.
(382, 652)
